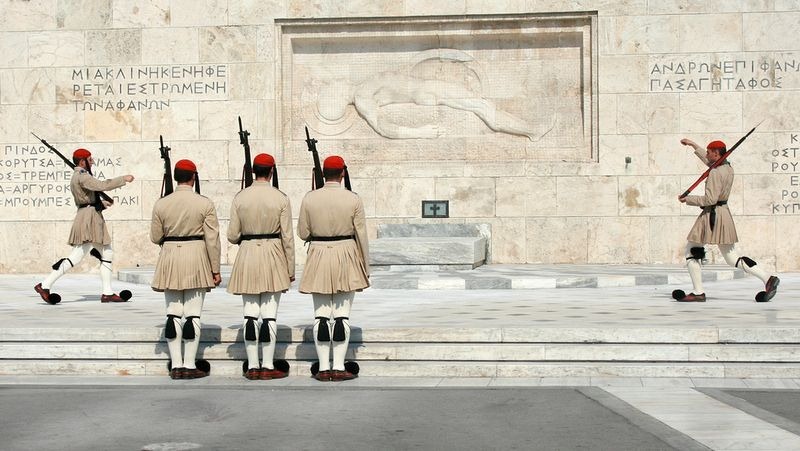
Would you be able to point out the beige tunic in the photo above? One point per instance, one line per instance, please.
(184, 265)
(262, 265)
(718, 187)
(89, 225)
(334, 266)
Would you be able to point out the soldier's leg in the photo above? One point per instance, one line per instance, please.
(322, 335)
(192, 308)
(250, 329)
(105, 269)
(342, 302)
(269, 328)
(695, 252)
(745, 263)
(65, 264)
(173, 331)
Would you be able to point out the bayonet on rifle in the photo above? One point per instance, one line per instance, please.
(247, 170)
(318, 180)
(166, 184)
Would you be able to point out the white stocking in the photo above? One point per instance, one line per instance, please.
(695, 270)
(342, 302)
(732, 258)
(251, 309)
(193, 306)
(77, 254)
(175, 307)
(105, 269)
(322, 309)
(269, 309)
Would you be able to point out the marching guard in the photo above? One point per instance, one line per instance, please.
(332, 220)
(261, 224)
(715, 226)
(89, 234)
(185, 224)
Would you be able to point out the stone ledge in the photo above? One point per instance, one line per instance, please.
(502, 277)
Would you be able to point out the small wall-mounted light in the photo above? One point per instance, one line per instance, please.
(435, 208)
(628, 160)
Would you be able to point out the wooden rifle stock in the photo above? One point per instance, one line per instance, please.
(166, 184)
(319, 180)
(717, 163)
(99, 206)
(247, 170)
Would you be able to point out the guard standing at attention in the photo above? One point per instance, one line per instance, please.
(261, 224)
(185, 224)
(332, 220)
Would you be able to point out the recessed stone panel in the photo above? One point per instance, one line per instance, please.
(141, 13)
(438, 84)
(56, 48)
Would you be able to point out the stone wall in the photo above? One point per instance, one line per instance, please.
(568, 144)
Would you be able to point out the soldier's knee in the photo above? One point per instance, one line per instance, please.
(745, 261)
(696, 253)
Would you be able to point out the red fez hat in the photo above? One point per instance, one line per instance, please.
(81, 153)
(186, 165)
(333, 162)
(716, 145)
(263, 159)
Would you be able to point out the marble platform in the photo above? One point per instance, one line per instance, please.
(431, 246)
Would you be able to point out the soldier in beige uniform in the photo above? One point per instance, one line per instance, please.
(261, 224)
(332, 220)
(89, 233)
(185, 224)
(715, 226)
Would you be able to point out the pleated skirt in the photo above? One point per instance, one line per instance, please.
(89, 226)
(260, 267)
(183, 265)
(724, 229)
(334, 267)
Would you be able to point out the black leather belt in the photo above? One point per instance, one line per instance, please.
(712, 212)
(183, 238)
(262, 236)
(332, 238)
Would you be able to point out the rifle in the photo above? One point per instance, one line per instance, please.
(166, 183)
(318, 181)
(718, 162)
(98, 205)
(247, 170)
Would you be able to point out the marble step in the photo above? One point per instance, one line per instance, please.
(510, 370)
(233, 334)
(444, 352)
(488, 277)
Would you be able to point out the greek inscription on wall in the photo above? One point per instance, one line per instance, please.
(786, 162)
(30, 176)
(725, 75)
(143, 87)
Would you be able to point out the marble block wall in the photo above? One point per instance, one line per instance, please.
(556, 122)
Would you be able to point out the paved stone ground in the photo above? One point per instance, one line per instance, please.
(682, 404)
(730, 303)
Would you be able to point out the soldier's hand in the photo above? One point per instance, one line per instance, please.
(217, 278)
(128, 178)
(291, 279)
(682, 199)
(688, 142)
(106, 203)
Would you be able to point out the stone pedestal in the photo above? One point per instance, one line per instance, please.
(435, 246)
